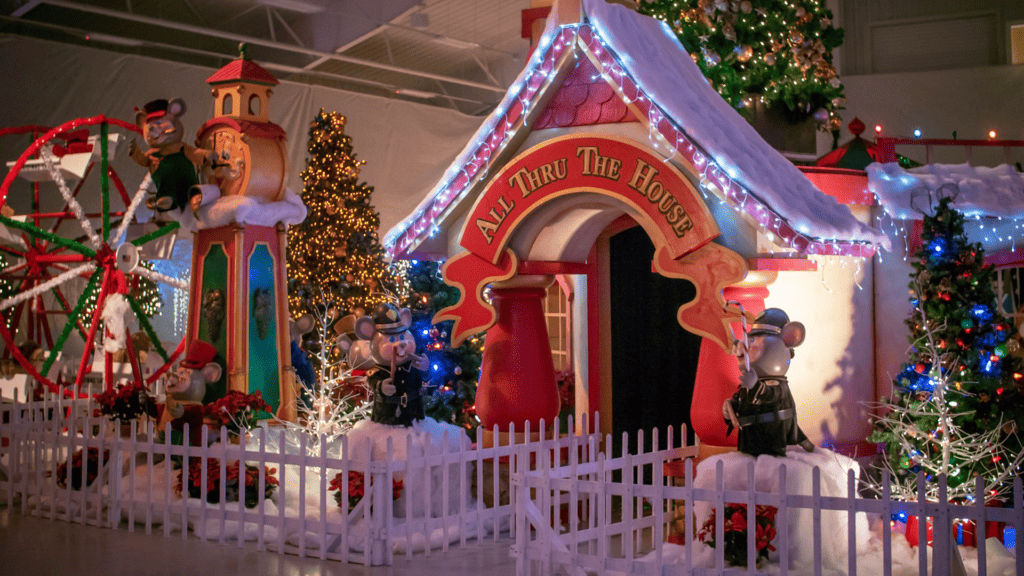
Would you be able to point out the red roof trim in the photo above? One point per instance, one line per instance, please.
(243, 71)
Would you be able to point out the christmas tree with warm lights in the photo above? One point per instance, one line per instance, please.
(956, 404)
(450, 391)
(335, 256)
(775, 51)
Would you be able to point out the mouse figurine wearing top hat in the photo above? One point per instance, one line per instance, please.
(172, 163)
(762, 409)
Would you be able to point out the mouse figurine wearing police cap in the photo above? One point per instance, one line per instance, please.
(398, 379)
(762, 409)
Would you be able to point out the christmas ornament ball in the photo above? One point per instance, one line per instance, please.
(744, 53)
(457, 370)
(1013, 345)
(746, 6)
(820, 115)
(769, 59)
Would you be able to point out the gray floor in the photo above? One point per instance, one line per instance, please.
(33, 546)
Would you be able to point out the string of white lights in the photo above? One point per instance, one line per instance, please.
(45, 286)
(72, 203)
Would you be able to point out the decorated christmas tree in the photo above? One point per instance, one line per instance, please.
(335, 254)
(450, 392)
(780, 52)
(956, 405)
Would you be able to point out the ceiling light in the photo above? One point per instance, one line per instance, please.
(303, 6)
(415, 93)
(453, 43)
(108, 39)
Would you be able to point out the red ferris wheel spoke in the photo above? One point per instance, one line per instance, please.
(73, 320)
(91, 336)
(15, 268)
(67, 307)
(44, 325)
(74, 194)
(167, 365)
(119, 186)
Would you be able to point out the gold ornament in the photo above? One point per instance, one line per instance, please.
(743, 52)
(746, 6)
(769, 59)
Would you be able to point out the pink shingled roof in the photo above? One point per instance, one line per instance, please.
(584, 99)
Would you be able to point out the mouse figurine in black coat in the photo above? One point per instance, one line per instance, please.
(397, 381)
(762, 409)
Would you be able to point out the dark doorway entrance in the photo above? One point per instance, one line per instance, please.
(654, 360)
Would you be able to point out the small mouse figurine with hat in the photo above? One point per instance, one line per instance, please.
(171, 163)
(762, 409)
(188, 386)
(398, 379)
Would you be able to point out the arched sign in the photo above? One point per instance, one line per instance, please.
(664, 202)
(676, 217)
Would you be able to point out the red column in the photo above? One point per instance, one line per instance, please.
(718, 374)
(517, 376)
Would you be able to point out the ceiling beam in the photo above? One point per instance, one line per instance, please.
(389, 88)
(24, 8)
(268, 43)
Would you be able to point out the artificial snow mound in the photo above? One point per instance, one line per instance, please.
(426, 488)
(239, 209)
(799, 473)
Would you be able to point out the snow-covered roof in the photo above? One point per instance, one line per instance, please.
(645, 63)
(980, 191)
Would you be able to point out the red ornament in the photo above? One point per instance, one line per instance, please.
(919, 368)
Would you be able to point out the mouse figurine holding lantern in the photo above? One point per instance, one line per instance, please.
(397, 381)
(762, 409)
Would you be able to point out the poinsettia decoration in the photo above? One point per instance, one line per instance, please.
(92, 468)
(357, 489)
(236, 411)
(736, 532)
(232, 477)
(126, 402)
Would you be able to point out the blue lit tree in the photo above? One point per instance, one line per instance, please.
(956, 405)
(450, 392)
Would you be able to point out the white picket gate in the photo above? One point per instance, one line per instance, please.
(624, 504)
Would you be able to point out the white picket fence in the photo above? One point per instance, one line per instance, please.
(132, 491)
(571, 507)
(623, 506)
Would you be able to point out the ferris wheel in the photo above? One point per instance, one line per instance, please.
(54, 249)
